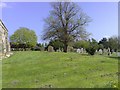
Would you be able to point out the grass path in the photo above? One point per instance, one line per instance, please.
(59, 70)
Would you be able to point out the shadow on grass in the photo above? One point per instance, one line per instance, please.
(85, 54)
(118, 58)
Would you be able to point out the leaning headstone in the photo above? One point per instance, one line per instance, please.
(50, 49)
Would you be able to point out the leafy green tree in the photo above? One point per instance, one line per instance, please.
(95, 43)
(38, 47)
(81, 44)
(113, 43)
(56, 44)
(66, 22)
(104, 42)
(24, 37)
(119, 43)
(93, 46)
(101, 46)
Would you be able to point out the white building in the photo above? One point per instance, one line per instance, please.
(4, 43)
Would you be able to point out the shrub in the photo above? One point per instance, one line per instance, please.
(93, 46)
(91, 50)
(36, 48)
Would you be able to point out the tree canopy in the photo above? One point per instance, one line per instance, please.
(24, 36)
(66, 22)
(113, 43)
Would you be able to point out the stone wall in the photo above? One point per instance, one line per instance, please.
(4, 43)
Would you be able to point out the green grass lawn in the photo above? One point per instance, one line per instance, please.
(32, 69)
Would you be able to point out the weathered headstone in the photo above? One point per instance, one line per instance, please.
(100, 51)
(84, 50)
(78, 50)
(58, 50)
(105, 51)
(96, 51)
(81, 50)
(50, 49)
(109, 53)
(118, 54)
(69, 49)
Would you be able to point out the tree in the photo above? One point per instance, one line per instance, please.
(119, 43)
(56, 44)
(101, 46)
(104, 42)
(24, 37)
(93, 46)
(81, 44)
(113, 43)
(66, 22)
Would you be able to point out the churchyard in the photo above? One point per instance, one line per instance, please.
(42, 69)
(66, 55)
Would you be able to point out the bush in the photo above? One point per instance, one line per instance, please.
(50, 49)
(91, 50)
(36, 48)
(81, 44)
(93, 46)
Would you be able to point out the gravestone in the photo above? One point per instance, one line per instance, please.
(96, 51)
(109, 53)
(69, 49)
(100, 51)
(58, 50)
(81, 50)
(105, 51)
(50, 49)
(84, 51)
(78, 50)
(118, 54)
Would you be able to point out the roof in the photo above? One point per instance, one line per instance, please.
(3, 25)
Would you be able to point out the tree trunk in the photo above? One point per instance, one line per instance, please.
(65, 47)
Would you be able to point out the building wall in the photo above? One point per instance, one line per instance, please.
(4, 43)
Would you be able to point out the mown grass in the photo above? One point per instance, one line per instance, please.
(59, 70)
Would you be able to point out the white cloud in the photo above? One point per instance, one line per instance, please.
(3, 5)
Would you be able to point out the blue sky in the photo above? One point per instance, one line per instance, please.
(104, 17)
